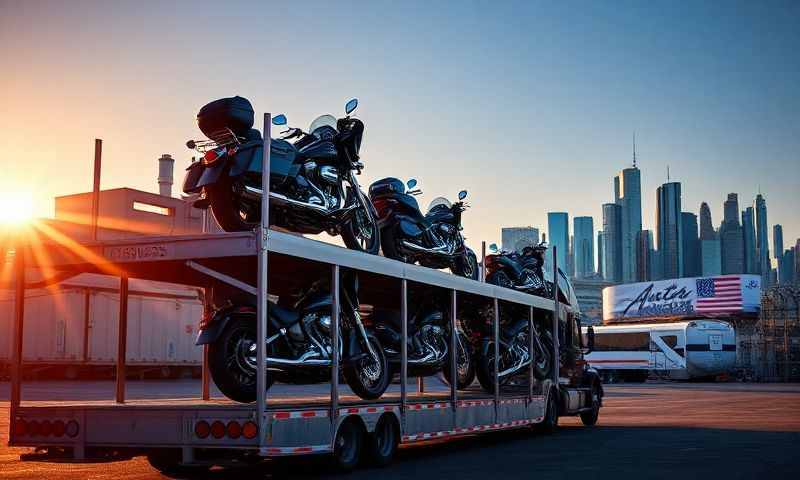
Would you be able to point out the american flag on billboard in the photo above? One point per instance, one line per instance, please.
(719, 294)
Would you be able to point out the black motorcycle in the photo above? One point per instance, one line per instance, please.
(428, 345)
(313, 187)
(434, 239)
(522, 271)
(514, 353)
(299, 346)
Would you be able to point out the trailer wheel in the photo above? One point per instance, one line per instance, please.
(168, 462)
(382, 443)
(590, 418)
(347, 446)
(549, 424)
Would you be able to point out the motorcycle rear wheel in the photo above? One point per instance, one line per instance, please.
(225, 207)
(500, 278)
(232, 372)
(465, 371)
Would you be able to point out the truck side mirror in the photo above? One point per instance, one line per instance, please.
(589, 339)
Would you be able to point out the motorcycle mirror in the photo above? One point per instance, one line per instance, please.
(279, 119)
(411, 183)
(493, 248)
(462, 194)
(191, 145)
(351, 106)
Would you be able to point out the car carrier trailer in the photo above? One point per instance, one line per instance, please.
(180, 434)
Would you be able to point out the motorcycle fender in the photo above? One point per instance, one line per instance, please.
(193, 174)
(353, 347)
(211, 174)
(210, 332)
(408, 227)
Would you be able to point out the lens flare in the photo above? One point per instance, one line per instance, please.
(15, 207)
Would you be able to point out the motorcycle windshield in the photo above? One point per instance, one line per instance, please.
(439, 201)
(321, 122)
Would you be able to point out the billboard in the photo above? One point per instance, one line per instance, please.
(720, 295)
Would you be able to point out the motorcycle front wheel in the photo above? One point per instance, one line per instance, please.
(467, 265)
(465, 366)
(225, 206)
(232, 360)
(361, 232)
(369, 377)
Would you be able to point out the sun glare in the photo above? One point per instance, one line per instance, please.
(15, 207)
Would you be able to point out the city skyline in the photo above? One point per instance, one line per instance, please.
(718, 112)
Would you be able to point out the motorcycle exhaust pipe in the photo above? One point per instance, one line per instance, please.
(432, 251)
(255, 194)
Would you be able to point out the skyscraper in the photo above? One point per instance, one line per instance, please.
(762, 240)
(668, 229)
(711, 257)
(644, 256)
(628, 195)
(690, 243)
(600, 255)
(706, 225)
(731, 238)
(777, 246)
(558, 232)
(517, 238)
(612, 242)
(749, 239)
(583, 246)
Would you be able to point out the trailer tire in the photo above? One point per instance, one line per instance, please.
(589, 418)
(347, 446)
(168, 462)
(549, 424)
(382, 443)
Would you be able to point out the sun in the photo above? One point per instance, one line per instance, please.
(16, 208)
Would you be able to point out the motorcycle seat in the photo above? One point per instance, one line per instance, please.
(286, 317)
(320, 150)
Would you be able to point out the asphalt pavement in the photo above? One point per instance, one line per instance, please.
(669, 430)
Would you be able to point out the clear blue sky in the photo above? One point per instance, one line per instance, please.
(528, 105)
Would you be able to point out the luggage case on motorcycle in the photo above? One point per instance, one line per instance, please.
(234, 113)
(386, 186)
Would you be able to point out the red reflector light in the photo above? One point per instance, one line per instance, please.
(33, 428)
(212, 156)
(234, 429)
(20, 427)
(202, 429)
(46, 428)
(217, 429)
(59, 428)
(249, 430)
(72, 429)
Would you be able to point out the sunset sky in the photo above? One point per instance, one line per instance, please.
(529, 106)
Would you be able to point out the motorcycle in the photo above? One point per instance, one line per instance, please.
(428, 344)
(313, 186)
(434, 239)
(299, 347)
(522, 271)
(514, 353)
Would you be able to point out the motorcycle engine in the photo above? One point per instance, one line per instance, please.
(323, 183)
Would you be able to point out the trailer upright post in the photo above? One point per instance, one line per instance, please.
(19, 321)
(556, 312)
(122, 336)
(262, 233)
(496, 335)
(453, 355)
(532, 355)
(335, 343)
(403, 349)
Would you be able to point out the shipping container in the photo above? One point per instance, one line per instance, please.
(76, 322)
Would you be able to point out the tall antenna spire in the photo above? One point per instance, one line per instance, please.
(634, 149)
(667, 173)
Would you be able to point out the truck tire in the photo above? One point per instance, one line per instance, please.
(549, 424)
(168, 462)
(589, 418)
(382, 443)
(347, 446)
